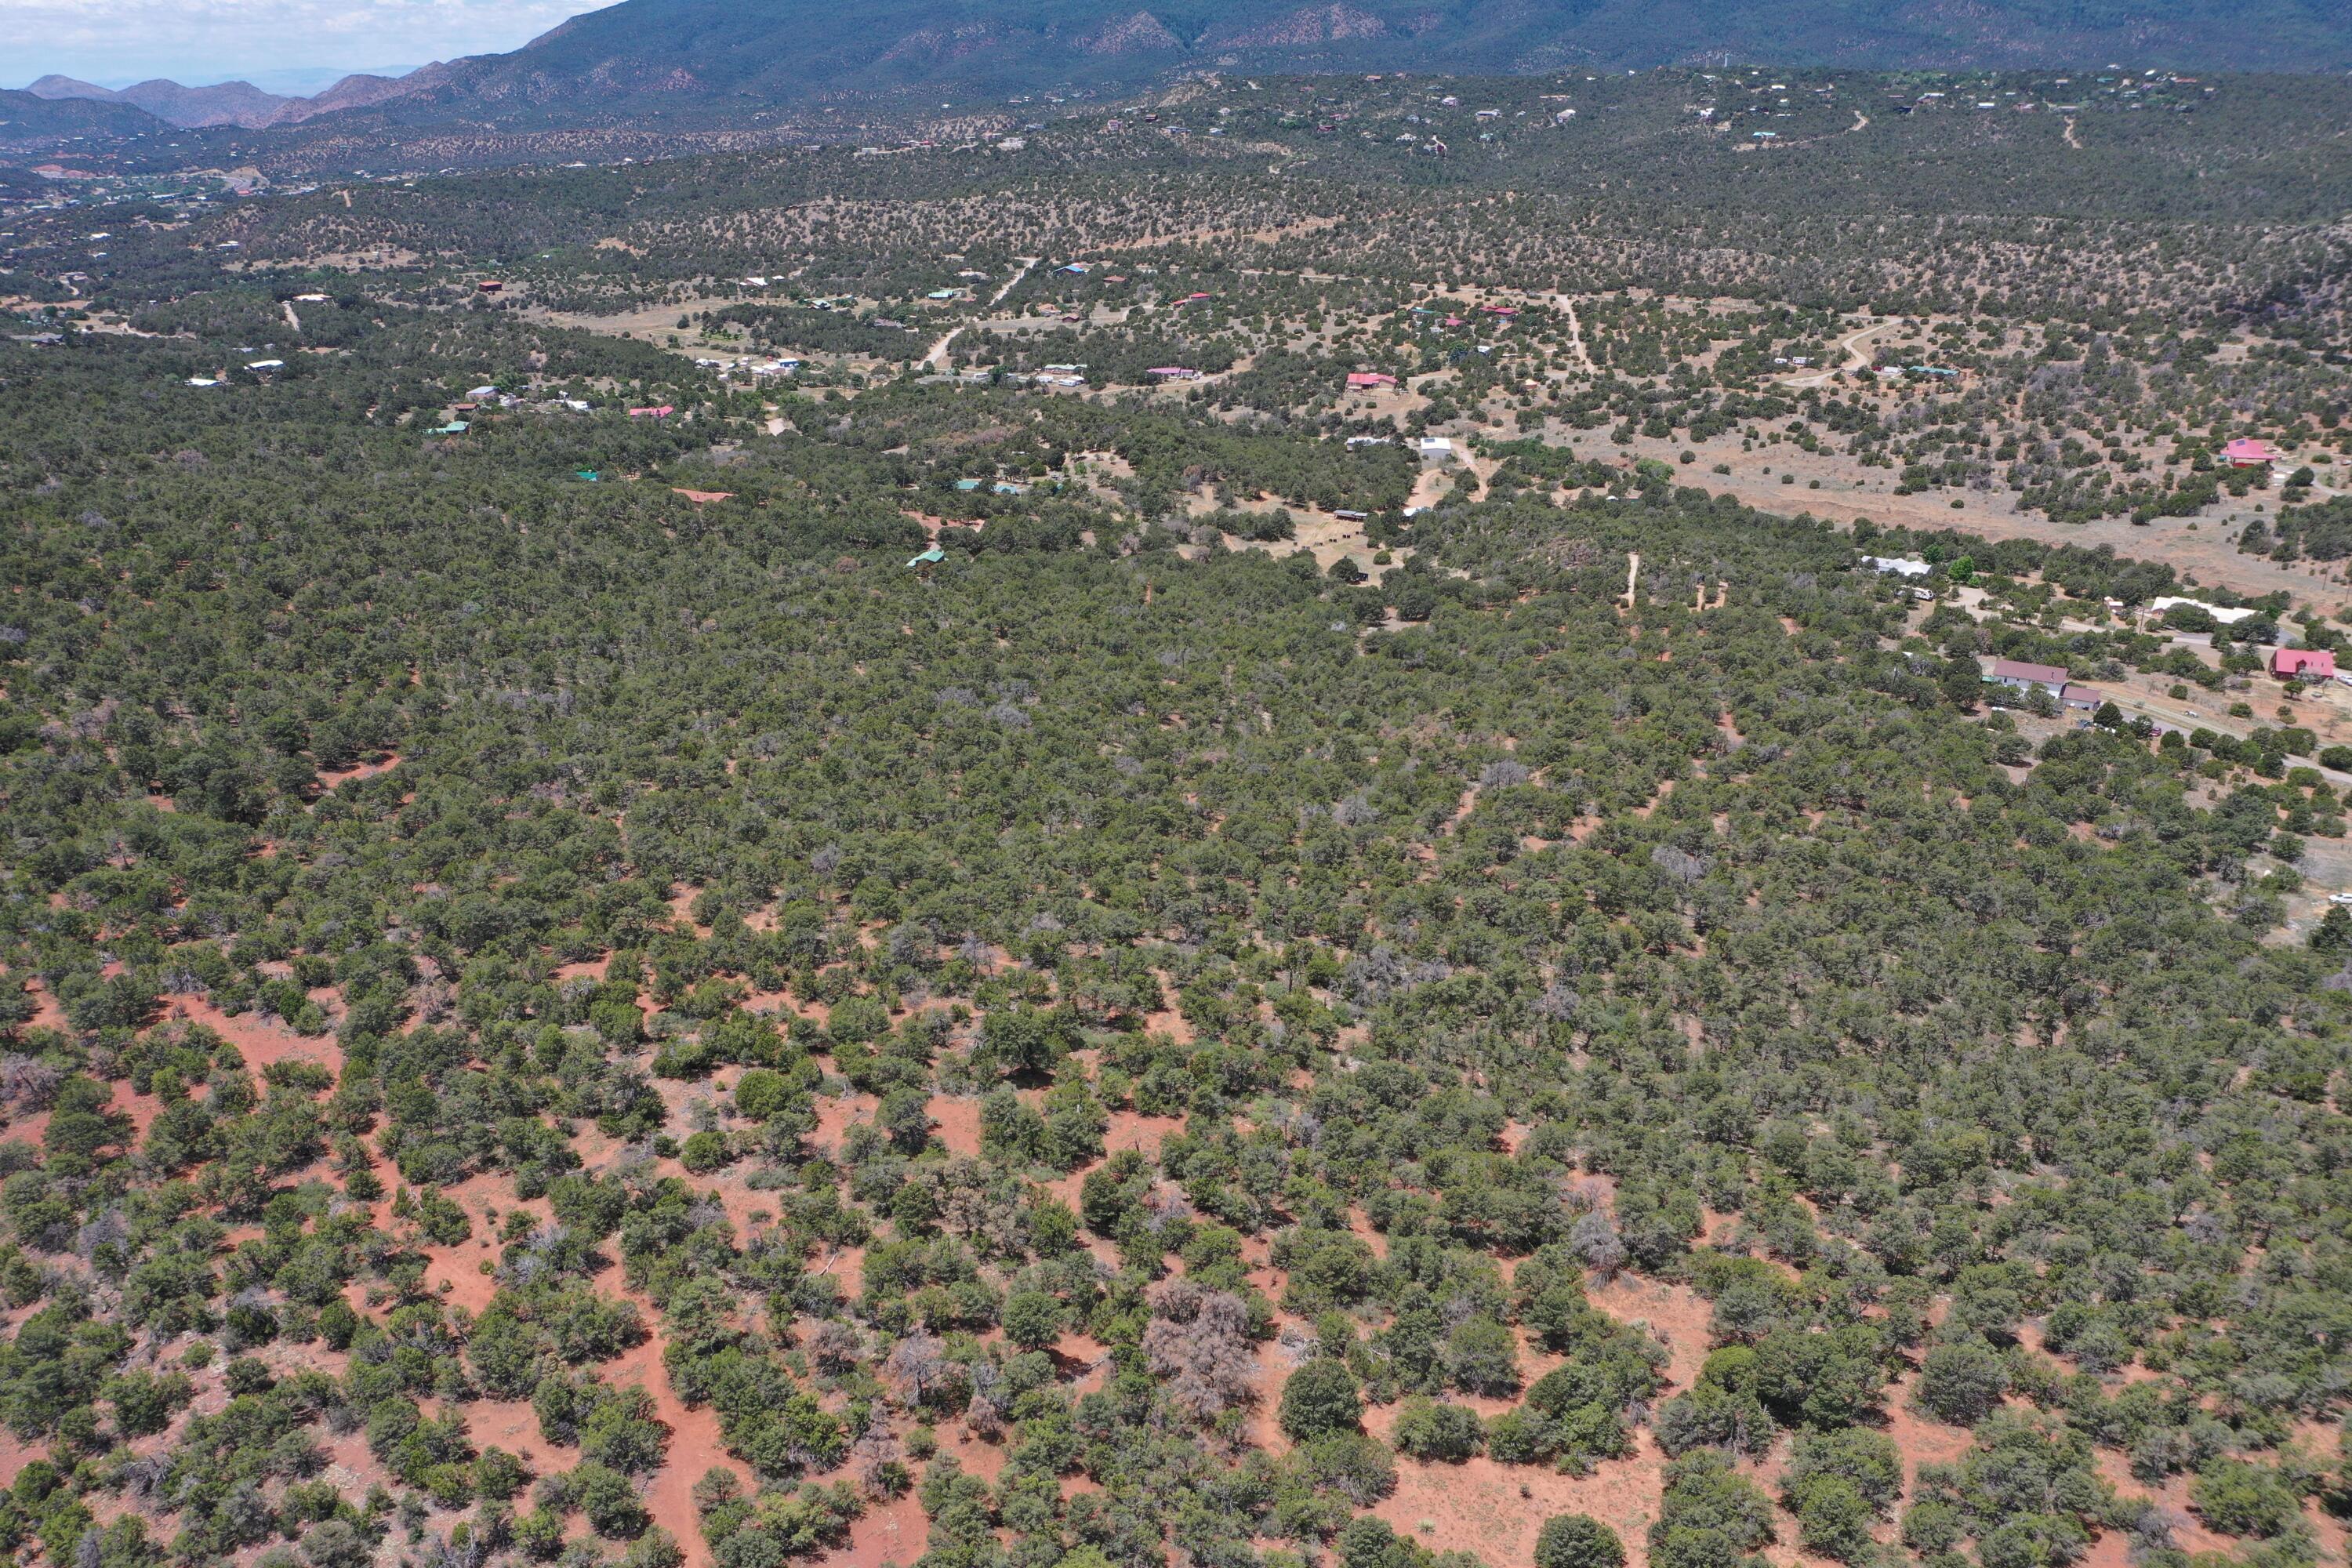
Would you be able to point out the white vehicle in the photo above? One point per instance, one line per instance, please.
(2345, 899)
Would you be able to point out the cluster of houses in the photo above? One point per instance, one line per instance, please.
(757, 370)
(2021, 675)
(260, 369)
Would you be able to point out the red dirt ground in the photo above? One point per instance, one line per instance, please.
(261, 1043)
(1496, 1510)
(892, 1532)
(334, 778)
(695, 1444)
(955, 1123)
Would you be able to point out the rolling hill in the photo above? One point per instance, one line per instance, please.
(26, 114)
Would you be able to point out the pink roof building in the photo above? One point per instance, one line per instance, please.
(2245, 452)
(1369, 378)
(662, 412)
(2302, 663)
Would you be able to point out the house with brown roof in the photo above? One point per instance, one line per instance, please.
(2019, 675)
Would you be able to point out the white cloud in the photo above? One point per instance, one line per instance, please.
(116, 42)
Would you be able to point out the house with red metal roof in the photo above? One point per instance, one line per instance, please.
(2245, 452)
(2302, 663)
(1364, 379)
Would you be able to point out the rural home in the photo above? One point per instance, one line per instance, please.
(1364, 379)
(2245, 452)
(2020, 676)
(2302, 663)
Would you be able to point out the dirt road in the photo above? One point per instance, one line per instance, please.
(1855, 359)
(936, 357)
(2205, 557)
(1575, 332)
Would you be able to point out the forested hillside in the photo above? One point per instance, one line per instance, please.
(701, 60)
(649, 920)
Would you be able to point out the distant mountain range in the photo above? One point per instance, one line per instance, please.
(718, 61)
(238, 103)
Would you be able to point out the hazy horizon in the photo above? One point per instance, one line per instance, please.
(292, 47)
(291, 81)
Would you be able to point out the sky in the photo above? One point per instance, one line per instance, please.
(283, 45)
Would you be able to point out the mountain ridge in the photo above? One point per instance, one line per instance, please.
(723, 60)
(642, 54)
(238, 103)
